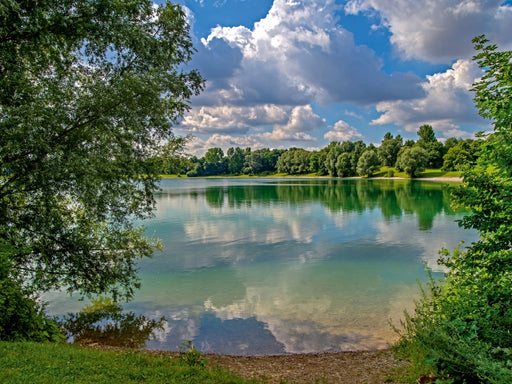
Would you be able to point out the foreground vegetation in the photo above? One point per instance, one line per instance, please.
(461, 328)
(46, 363)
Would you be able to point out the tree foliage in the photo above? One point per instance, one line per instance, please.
(295, 161)
(463, 155)
(89, 92)
(426, 135)
(368, 163)
(412, 161)
(389, 148)
(462, 328)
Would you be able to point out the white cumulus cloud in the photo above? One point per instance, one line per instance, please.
(439, 30)
(231, 119)
(342, 131)
(296, 54)
(447, 104)
(302, 120)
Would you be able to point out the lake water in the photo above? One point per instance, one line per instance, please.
(271, 266)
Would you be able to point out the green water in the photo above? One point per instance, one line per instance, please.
(266, 266)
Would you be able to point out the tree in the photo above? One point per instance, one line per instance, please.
(270, 159)
(459, 156)
(317, 162)
(450, 143)
(412, 161)
(341, 166)
(344, 164)
(389, 148)
(236, 158)
(333, 150)
(89, 92)
(463, 326)
(426, 135)
(434, 148)
(214, 162)
(254, 162)
(295, 161)
(368, 163)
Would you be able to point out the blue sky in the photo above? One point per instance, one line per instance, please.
(302, 73)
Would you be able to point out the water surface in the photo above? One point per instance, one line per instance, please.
(268, 266)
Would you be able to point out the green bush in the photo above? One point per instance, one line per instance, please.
(21, 317)
(461, 329)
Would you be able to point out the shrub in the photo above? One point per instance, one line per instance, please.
(21, 316)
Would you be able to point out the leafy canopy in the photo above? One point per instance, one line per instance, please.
(89, 92)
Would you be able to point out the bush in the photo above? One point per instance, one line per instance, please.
(460, 330)
(22, 317)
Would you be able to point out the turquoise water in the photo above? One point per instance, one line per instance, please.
(268, 266)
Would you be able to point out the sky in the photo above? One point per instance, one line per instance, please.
(303, 73)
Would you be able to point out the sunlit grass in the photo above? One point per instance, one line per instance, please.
(440, 173)
(22, 363)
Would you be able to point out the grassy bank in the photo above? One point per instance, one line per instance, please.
(38, 363)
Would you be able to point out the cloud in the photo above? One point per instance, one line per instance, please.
(225, 124)
(217, 60)
(198, 146)
(302, 120)
(439, 30)
(297, 54)
(447, 103)
(232, 119)
(342, 131)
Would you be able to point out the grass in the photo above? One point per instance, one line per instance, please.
(440, 173)
(42, 363)
(393, 172)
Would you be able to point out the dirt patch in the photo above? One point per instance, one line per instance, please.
(372, 367)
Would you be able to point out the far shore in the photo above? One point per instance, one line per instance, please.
(451, 179)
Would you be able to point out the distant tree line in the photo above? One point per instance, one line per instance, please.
(338, 159)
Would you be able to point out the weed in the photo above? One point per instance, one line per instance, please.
(191, 356)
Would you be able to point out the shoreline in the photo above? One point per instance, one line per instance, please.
(345, 367)
(449, 179)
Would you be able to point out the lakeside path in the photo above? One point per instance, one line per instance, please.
(371, 367)
(361, 367)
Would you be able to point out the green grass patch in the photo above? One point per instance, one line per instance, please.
(440, 173)
(393, 172)
(41, 363)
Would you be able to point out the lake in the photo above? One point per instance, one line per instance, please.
(272, 266)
